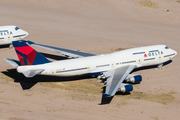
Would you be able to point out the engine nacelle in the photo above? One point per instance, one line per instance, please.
(125, 88)
(133, 78)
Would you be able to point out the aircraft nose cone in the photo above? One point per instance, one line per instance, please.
(26, 33)
(175, 52)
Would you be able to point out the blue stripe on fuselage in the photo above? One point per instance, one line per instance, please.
(4, 31)
(138, 53)
(154, 51)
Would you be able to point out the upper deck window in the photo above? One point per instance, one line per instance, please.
(166, 47)
(16, 28)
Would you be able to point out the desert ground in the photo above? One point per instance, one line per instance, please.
(100, 27)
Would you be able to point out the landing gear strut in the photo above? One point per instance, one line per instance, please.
(160, 67)
(103, 79)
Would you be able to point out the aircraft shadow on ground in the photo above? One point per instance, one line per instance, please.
(27, 83)
(4, 46)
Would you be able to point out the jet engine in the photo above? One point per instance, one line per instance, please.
(125, 88)
(133, 78)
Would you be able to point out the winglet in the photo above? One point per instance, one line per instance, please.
(106, 99)
(106, 95)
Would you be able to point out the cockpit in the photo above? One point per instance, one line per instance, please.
(166, 47)
(16, 28)
(19, 33)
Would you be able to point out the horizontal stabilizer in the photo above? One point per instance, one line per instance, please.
(12, 62)
(32, 73)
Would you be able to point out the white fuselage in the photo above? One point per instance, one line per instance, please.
(142, 56)
(11, 33)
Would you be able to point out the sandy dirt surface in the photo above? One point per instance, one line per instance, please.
(95, 26)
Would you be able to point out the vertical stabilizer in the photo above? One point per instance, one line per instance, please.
(27, 55)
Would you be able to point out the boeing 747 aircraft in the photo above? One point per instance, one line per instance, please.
(11, 33)
(112, 69)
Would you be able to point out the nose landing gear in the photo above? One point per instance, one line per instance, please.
(160, 67)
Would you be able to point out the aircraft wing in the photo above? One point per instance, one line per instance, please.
(63, 51)
(116, 77)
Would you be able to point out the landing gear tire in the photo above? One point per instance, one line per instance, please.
(11, 46)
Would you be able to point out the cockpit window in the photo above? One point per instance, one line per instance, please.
(166, 47)
(16, 28)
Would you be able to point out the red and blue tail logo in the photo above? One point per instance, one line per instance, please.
(27, 55)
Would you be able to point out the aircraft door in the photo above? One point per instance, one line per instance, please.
(139, 60)
(160, 57)
(112, 64)
(89, 67)
(9, 37)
